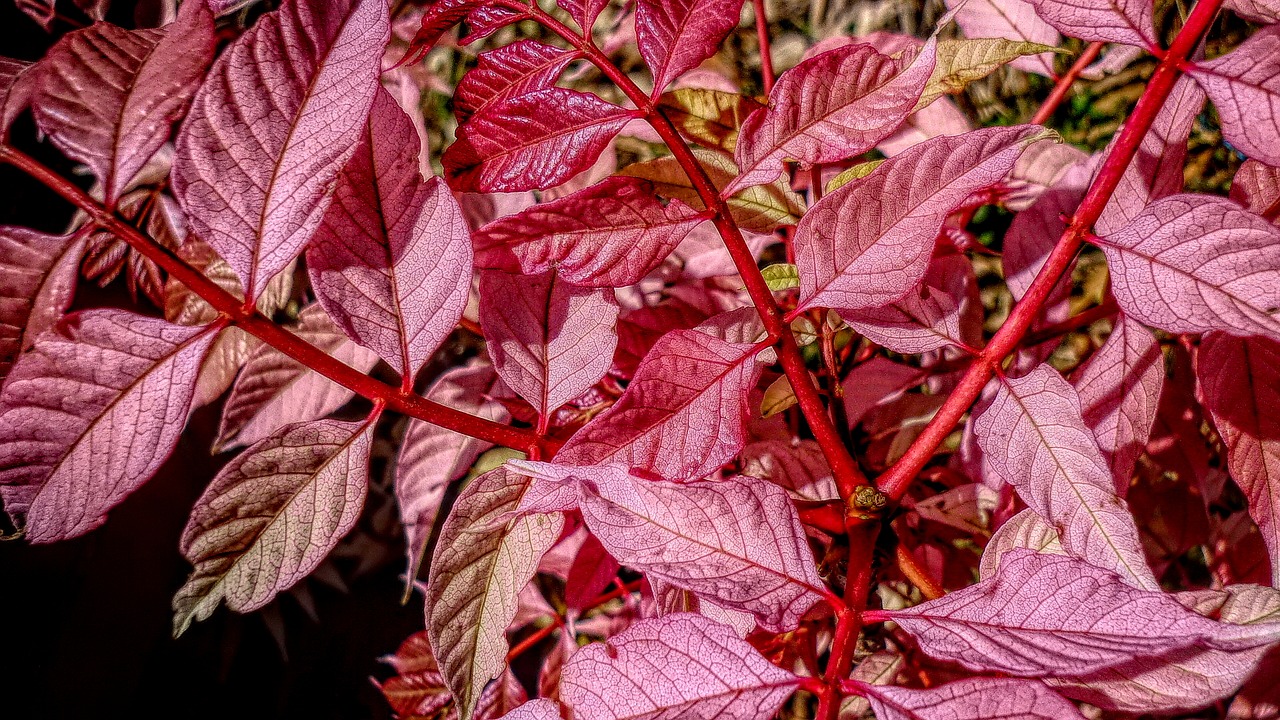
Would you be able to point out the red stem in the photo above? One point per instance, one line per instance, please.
(917, 575)
(1063, 86)
(895, 481)
(1075, 322)
(862, 544)
(535, 638)
(253, 322)
(766, 51)
(843, 467)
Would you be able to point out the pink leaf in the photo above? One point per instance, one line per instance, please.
(976, 698)
(675, 36)
(1194, 263)
(876, 382)
(854, 254)
(270, 131)
(1240, 381)
(592, 570)
(17, 86)
(611, 234)
(1119, 391)
(928, 318)
(1012, 20)
(550, 341)
(37, 280)
(274, 390)
(437, 19)
(1128, 22)
(1156, 171)
(1024, 530)
(1256, 186)
(671, 600)
(272, 514)
(520, 68)
(539, 709)
(640, 329)
(682, 665)
(828, 108)
(1055, 616)
(1244, 86)
(682, 416)
(532, 141)
(482, 561)
(109, 96)
(431, 457)
(90, 413)
(1033, 437)
(391, 261)
(584, 12)
(1263, 12)
(798, 466)
(736, 542)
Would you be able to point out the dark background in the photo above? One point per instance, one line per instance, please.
(85, 625)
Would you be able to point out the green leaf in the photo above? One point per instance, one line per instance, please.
(710, 118)
(961, 62)
(782, 276)
(860, 170)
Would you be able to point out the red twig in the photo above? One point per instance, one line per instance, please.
(1063, 86)
(253, 322)
(917, 575)
(542, 634)
(862, 543)
(766, 51)
(1075, 322)
(895, 481)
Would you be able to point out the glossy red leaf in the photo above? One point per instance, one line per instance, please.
(1119, 391)
(437, 19)
(271, 515)
(675, 36)
(1012, 20)
(1128, 22)
(550, 341)
(1256, 186)
(272, 128)
(1240, 381)
(584, 12)
(109, 96)
(481, 562)
(828, 108)
(1054, 616)
(854, 254)
(735, 542)
(976, 698)
(532, 141)
(391, 261)
(1194, 263)
(274, 390)
(682, 416)
(431, 457)
(37, 281)
(681, 665)
(1244, 86)
(520, 68)
(1033, 437)
(90, 413)
(611, 234)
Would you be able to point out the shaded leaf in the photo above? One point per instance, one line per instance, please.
(971, 699)
(1244, 86)
(711, 118)
(961, 62)
(37, 281)
(927, 318)
(1012, 20)
(1256, 186)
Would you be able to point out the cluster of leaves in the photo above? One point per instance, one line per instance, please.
(1071, 506)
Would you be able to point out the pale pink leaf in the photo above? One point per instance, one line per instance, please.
(1119, 391)
(1033, 437)
(481, 562)
(89, 414)
(431, 456)
(550, 341)
(675, 36)
(391, 260)
(797, 465)
(1027, 244)
(1263, 12)
(828, 108)
(966, 507)
(539, 709)
(735, 542)
(274, 390)
(1128, 22)
(670, 599)
(109, 96)
(1024, 530)
(1256, 186)
(684, 413)
(1114, 59)
(927, 318)
(1012, 20)
(1057, 616)
(682, 665)
(532, 141)
(1240, 381)
(271, 129)
(1194, 263)
(1244, 86)
(37, 280)
(978, 698)
(272, 515)
(611, 234)
(854, 254)
(520, 68)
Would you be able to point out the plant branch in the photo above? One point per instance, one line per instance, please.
(862, 545)
(766, 51)
(895, 481)
(246, 317)
(843, 467)
(917, 575)
(1063, 86)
